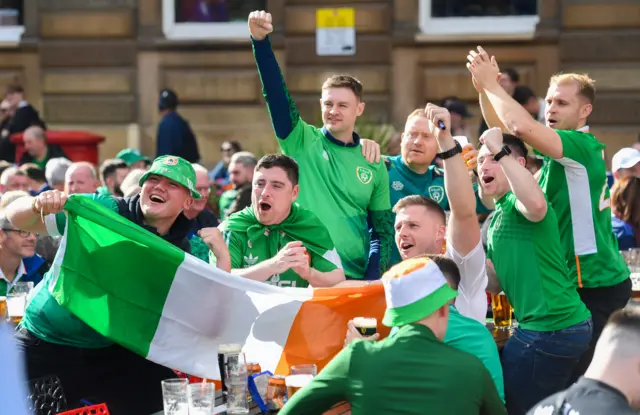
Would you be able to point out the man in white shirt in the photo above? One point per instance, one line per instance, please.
(421, 224)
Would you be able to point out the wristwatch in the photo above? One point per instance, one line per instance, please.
(450, 153)
(504, 152)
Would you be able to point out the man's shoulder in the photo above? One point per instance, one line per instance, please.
(585, 139)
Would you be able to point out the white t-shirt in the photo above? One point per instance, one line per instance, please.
(472, 298)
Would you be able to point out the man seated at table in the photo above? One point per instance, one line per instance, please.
(421, 225)
(56, 342)
(413, 372)
(276, 241)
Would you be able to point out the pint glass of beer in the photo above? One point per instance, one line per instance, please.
(296, 382)
(3, 308)
(502, 310)
(16, 305)
(367, 326)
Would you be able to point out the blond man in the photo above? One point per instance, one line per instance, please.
(573, 178)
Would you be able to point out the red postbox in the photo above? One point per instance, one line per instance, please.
(78, 145)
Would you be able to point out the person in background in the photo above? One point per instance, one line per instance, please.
(81, 177)
(241, 175)
(5, 165)
(276, 241)
(13, 385)
(611, 384)
(134, 159)
(533, 104)
(202, 216)
(130, 185)
(7, 148)
(626, 162)
(55, 173)
(13, 178)
(459, 115)
(25, 115)
(112, 173)
(37, 150)
(37, 177)
(220, 173)
(175, 136)
(18, 259)
(413, 368)
(625, 212)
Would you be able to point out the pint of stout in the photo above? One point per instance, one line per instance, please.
(366, 326)
(296, 382)
(501, 310)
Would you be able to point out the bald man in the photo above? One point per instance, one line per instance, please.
(81, 177)
(37, 149)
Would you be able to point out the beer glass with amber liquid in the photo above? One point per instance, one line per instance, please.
(17, 301)
(502, 311)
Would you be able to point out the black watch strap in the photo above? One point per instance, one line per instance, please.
(450, 153)
(504, 152)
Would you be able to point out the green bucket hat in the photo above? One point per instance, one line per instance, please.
(414, 289)
(131, 155)
(174, 168)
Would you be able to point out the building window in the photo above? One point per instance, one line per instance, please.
(208, 19)
(478, 17)
(11, 21)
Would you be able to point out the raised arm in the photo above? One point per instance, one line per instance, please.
(463, 227)
(282, 108)
(531, 201)
(512, 115)
(488, 113)
(27, 213)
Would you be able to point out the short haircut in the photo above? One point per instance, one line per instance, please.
(8, 173)
(286, 163)
(625, 199)
(199, 168)
(37, 132)
(88, 165)
(14, 88)
(108, 168)
(516, 145)
(448, 267)
(56, 169)
(345, 81)
(34, 172)
(418, 112)
(522, 94)
(586, 85)
(236, 146)
(10, 197)
(245, 158)
(622, 332)
(417, 200)
(512, 74)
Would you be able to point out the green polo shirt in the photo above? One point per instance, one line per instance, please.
(532, 270)
(412, 373)
(6, 285)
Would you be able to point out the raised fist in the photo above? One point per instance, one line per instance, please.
(260, 24)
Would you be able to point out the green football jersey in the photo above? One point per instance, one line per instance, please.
(531, 268)
(576, 186)
(340, 186)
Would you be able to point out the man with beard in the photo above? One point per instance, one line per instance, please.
(89, 365)
(112, 173)
(574, 179)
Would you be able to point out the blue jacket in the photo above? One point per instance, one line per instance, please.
(176, 138)
(35, 268)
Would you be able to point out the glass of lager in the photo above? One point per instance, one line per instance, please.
(304, 369)
(367, 326)
(296, 382)
(3, 308)
(502, 311)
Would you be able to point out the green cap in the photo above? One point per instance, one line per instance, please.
(174, 168)
(131, 155)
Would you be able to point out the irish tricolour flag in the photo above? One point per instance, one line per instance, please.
(147, 295)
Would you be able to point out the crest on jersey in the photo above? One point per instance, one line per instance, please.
(250, 260)
(397, 186)
(497, 221)
(436, 193)
(364, 174)
(171, 161)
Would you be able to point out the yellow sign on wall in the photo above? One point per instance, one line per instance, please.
(335, 31)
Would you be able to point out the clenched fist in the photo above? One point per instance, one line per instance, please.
(260, 24)
(51, 201)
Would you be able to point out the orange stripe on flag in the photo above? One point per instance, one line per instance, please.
(319, 328)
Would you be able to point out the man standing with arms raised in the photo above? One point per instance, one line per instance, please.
(573, 179)
(337, 183)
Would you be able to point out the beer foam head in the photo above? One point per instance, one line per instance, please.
(298, 381)
(365, 322)
(414, 289)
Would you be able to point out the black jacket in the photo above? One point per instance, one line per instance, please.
(53, 152)
(25, 117)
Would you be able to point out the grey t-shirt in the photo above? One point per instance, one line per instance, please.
(585, 397)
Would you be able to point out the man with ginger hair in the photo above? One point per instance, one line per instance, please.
(574, 172)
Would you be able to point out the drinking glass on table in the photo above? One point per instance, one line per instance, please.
(201, 398)
(17, 301)
(175, 396)
(304, 369)
(502, 311)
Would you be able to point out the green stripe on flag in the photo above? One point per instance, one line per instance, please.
(114, 275)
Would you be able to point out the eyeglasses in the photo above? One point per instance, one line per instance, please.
(226, 149)
(23, 234)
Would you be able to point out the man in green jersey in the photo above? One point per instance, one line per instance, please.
(277, 241)
(336, 183)
(574, 180)
(524, 246)
(414, 370)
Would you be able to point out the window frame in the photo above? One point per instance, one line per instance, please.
(199, 30)
(524, 26)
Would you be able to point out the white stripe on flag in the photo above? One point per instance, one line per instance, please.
(414, 286)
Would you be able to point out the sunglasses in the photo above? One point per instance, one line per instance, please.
(226, 149)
